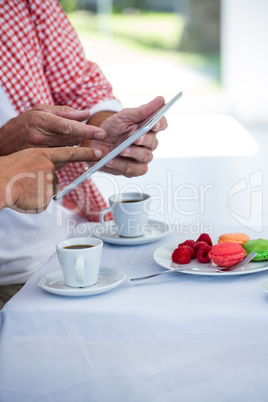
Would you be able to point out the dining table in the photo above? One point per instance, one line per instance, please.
(193, 335)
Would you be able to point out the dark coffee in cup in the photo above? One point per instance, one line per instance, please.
(127, 201)
(80, 266)
(130, 213)
(77, 246)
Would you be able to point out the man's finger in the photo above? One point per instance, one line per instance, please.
(161, 125)
(148, 140)
(64, 111)
(127, 167)
(54, 125)
(72, 154)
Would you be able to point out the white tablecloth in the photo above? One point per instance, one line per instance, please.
(176, 337)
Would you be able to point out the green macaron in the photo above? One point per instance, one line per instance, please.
(260, 246)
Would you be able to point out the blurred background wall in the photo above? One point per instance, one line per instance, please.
(244, 58)
(220, 47)
(166, 46)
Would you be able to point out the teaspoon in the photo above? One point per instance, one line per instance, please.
(217, 269)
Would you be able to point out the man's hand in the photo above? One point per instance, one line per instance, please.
(118, 126)
(47, 126)
(28, 179)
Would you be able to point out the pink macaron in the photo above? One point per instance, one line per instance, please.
(227, 254)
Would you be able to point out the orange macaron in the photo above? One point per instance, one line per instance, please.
(240, 238)
(227, 254)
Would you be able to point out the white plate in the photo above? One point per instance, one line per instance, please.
(162, 256)
(154, 231)
(263, 285)
(109, 278)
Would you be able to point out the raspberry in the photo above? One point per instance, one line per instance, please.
(181, 255)
(193, 253)
(205, 237)
(190, 243)
(199, 244)
(202, 254)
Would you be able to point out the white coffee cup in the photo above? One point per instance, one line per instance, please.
(130, 213)
(80, 260)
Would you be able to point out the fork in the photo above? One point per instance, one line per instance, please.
(217, 269)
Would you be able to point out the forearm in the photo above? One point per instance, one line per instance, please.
(98, 118)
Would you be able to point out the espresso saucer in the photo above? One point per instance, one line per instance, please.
(153, 231)
(109, 278)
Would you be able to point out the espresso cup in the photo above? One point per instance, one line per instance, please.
(130, 213)
(80, 260)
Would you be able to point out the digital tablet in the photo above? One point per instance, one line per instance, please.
(120, 148)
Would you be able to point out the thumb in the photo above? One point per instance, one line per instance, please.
(146, 111)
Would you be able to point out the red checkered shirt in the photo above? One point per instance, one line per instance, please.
(42, 61)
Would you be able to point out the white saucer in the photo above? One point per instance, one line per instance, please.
(109, 278)
(154, 231)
